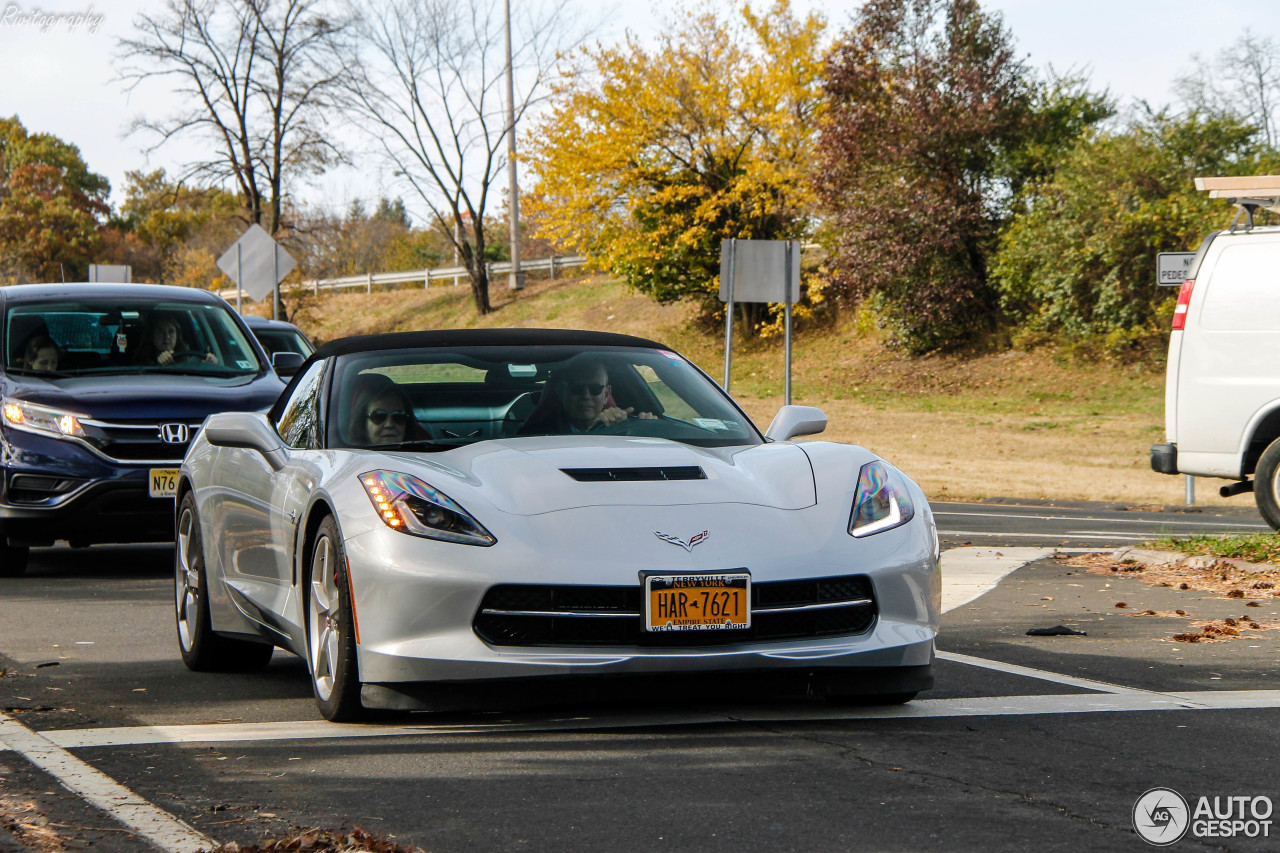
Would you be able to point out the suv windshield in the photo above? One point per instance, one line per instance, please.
(433, 399)
(74, 338)
(276, 340)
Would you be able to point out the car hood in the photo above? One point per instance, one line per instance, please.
(146, 396)
(526, 476)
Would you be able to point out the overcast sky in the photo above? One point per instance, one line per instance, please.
(61, 81)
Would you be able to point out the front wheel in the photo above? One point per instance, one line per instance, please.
(331, 642)
(1266, 484)
(203, 650)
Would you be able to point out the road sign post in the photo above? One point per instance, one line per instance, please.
(759, 271)
(111, 272)
(728, 309)
(1173, 268)
(257, 263)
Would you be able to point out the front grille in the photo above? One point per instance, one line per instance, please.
(632, 475)
(568, 615)
(136, 441)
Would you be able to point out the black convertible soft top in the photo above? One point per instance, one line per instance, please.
(480, 338)
(461, 338)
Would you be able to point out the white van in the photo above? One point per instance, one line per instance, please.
(1222, 388)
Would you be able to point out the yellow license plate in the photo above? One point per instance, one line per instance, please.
(697, 602)
(164, 482)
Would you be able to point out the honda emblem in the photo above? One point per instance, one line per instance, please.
(174, 433)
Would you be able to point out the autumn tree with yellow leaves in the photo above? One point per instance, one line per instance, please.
(646, 160)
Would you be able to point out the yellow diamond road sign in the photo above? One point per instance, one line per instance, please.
(256, 262)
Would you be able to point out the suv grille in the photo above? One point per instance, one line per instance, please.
(546, 615)
(137, 441)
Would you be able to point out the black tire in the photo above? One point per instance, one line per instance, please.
(331, 641)
(13, 560)
(1265, 487)
(202, 650)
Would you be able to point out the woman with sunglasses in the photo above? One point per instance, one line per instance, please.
(387, 418)
(382, 414)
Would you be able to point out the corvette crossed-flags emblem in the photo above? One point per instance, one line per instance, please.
(695, 539)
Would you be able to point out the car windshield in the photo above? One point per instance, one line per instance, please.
(275, 340)
(72, 338)
(435, 399)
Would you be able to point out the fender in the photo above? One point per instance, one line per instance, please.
(1264, 422)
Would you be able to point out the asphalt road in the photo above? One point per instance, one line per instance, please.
(1027, 742)
(1081, 524)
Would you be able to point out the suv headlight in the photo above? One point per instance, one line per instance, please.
(881, 501)
(43, 420)
(409, 505)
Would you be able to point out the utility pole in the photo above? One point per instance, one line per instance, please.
(515, 278)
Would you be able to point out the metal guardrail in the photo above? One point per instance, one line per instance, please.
(425, 276)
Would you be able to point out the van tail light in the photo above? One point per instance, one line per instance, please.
(1184, 300)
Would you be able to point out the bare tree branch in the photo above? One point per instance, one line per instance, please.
(252, 69)
(1243, 81)
(423, 78)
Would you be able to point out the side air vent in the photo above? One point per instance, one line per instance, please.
(627, 475)
(32, 488)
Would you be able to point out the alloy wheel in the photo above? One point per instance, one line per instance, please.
(324, 623)
(186, 582)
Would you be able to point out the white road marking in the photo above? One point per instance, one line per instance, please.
(1043, 675)
(1065, 534)
(969, 572)
(1203, 523)
(154, 824)
(1116, 700)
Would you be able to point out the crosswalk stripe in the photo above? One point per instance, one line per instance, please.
(97, 788)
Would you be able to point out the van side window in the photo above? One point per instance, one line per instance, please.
(299, 423)
(1243, 292)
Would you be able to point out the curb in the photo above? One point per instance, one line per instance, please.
(1176, 558)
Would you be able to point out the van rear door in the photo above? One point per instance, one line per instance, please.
(1228, 369)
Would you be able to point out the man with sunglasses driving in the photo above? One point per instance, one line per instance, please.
(584, 397)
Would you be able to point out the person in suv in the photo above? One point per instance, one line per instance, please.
(91, 439)
(278, 336)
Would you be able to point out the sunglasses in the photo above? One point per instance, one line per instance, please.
(592, 388)
(379, 416)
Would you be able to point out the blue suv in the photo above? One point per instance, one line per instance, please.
(104, 386)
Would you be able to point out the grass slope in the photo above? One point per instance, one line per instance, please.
(1013, 424)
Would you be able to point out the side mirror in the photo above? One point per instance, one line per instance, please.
(246, 429)
(285, 364)
(792, 421)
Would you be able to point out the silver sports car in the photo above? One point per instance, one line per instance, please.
(444, 519)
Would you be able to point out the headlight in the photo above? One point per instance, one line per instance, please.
(881, 501)
(409, 505)
(44, 420)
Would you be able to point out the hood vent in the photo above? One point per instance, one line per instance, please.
(631, 475)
